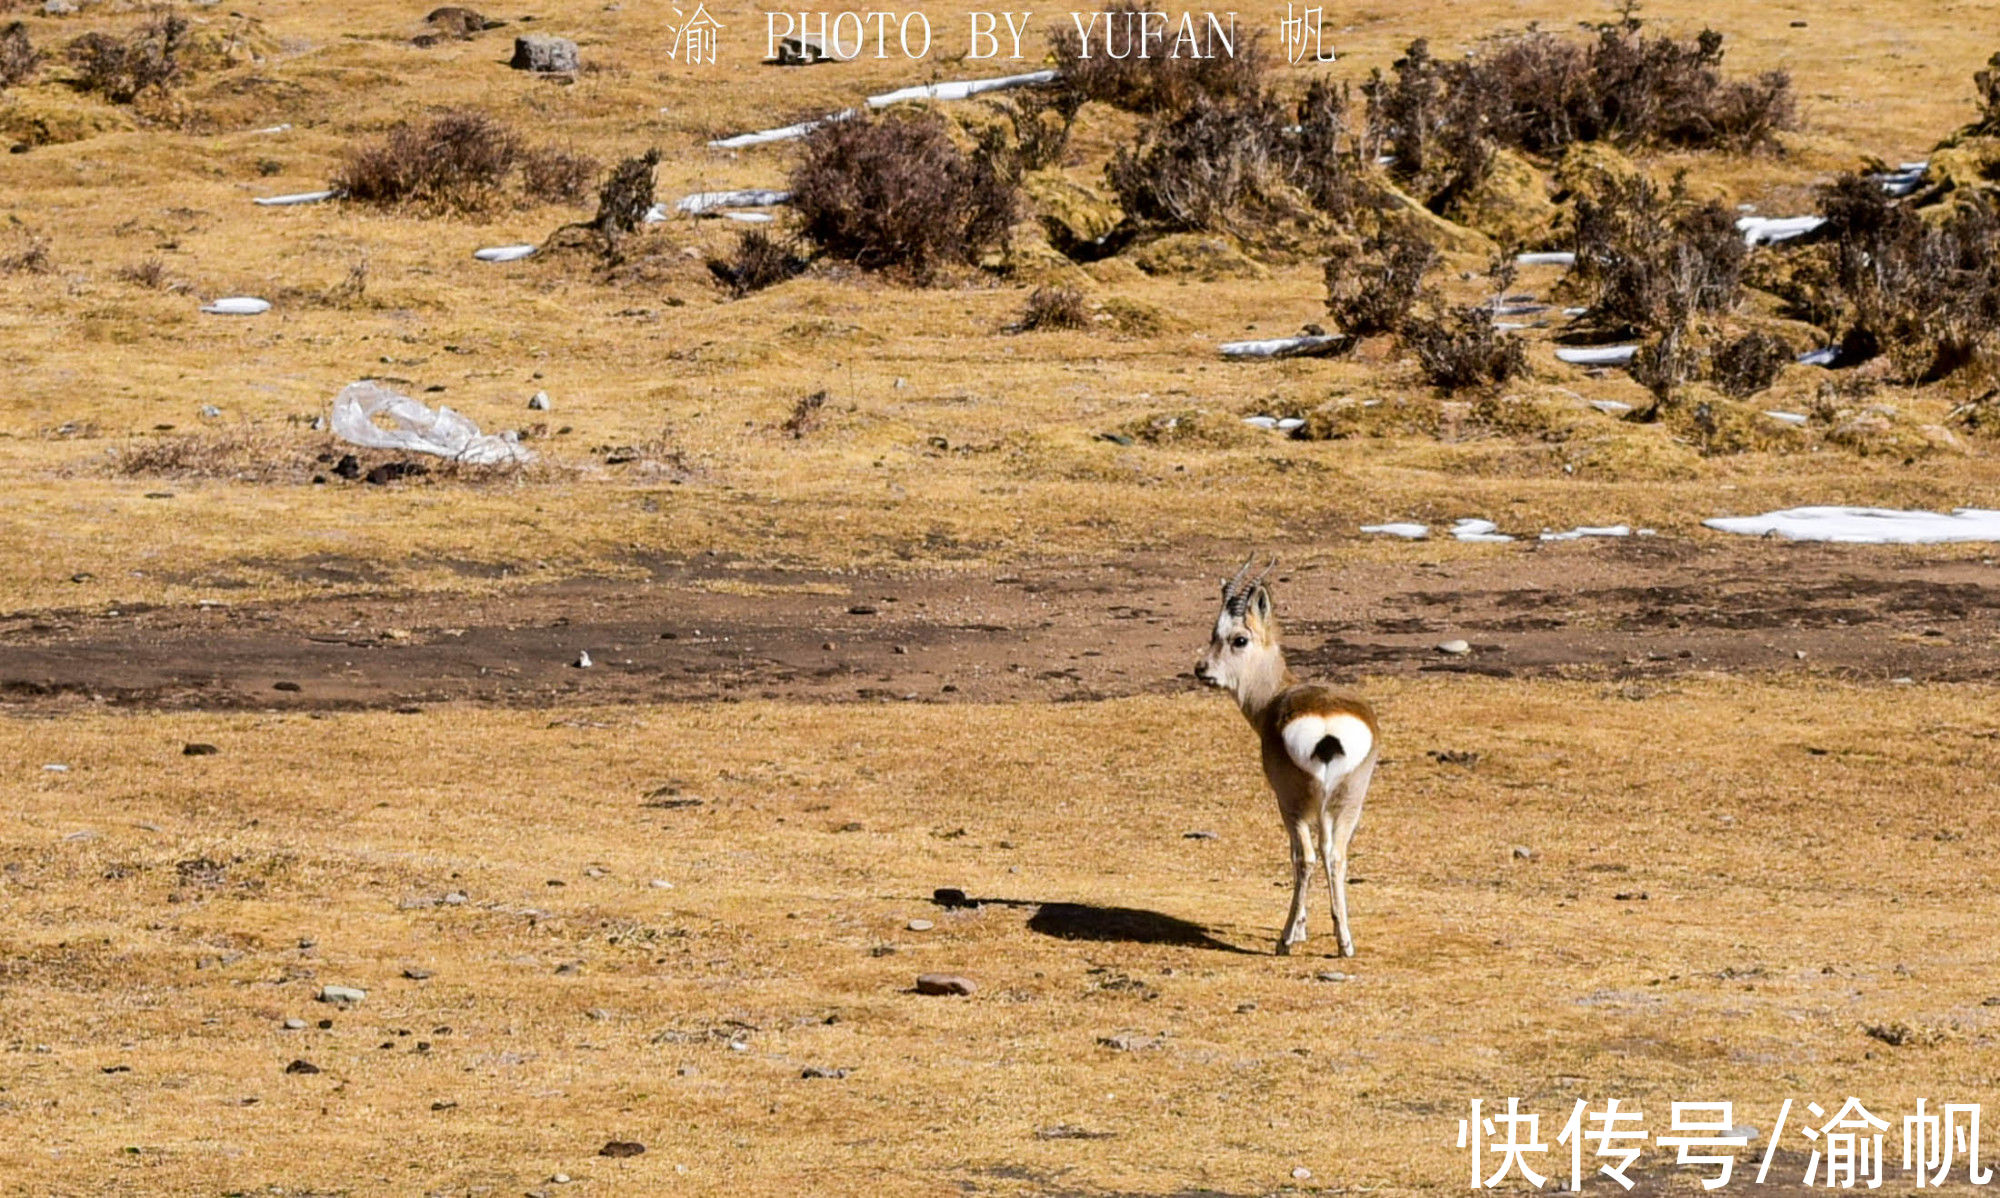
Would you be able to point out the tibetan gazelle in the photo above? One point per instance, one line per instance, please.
(1319, 745)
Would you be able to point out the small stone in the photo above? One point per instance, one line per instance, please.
(622, 1148)
(1631, 896)
(944, 983)
(861, 609)
(1331, 975)
(540, 403)
(342, 994)
(455, 899)
(295, 1025)
(199, 750)
(1454, 648)
(952, 896)
(1301, 1173)
(302, 1067)
(921, 925)
(1523, 853)
(416, 974)
(583, 661)
(661, 884)
(285, 686)
(544, 55)
(58, 8)
(561, 1179)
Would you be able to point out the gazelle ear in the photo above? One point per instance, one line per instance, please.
(1260, 603)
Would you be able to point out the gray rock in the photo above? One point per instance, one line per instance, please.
(295, 1025)
(342, 994)
(921, 925)
(1454, 648)
(1523, 853)
(58, 8)
(944, 983)
(1330, 975)
(544, 55)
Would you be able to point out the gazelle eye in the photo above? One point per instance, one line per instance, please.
(1240, 641)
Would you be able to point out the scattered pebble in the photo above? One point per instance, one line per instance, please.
(540, 402)
(342, 994)
(661, 884)
(944, 983)
(820, 1071)
(295, 1025)
(1523, 853)
(921, 925)
(302, 1066)
(417, 975)
(1330, 975)
(199, 750)
(1198, 836)
(1454, 648)
(621, 1148)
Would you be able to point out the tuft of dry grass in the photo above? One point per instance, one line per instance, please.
(555, 175)
(1054, 308)
(758, 261)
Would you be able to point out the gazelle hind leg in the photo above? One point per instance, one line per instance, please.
(1345, 816)
(1302, 863)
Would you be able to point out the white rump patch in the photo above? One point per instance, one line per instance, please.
(1304, 734)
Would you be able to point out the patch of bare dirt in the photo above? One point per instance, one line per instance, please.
(710, 629)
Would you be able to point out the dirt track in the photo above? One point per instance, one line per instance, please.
(1627, 610)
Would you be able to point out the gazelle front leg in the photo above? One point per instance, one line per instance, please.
(1302, 863)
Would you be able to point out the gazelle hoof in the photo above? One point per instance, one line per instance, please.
(1284, 948)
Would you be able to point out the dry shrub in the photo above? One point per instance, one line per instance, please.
(1372, 283)
(805, 415)
(558, 176)
(457, 161)
(624, 200)
(1926, 293)
(759, 261)
(895, 193)
(1439, 119)
(150, 274)
(1988, 83)
(18, 56)
(123, 69)
(1040, 120)
(1218, 166)
(1666, 364)
(1158, 83)
(1055, 308)
(1749, 364)
(27, 253)
(1651, 263)
(1547, 93)
(1334, 165)
(1460, 349)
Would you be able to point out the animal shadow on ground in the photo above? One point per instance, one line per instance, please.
(1130, 925)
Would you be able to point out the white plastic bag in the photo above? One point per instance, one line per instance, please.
(418, 429)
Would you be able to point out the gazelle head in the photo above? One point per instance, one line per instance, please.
(1244, 646)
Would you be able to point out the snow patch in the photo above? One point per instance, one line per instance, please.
(1867, 525)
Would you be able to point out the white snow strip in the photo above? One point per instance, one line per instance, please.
(1574, 311)
(1787, 418)
(749, 218)
(1285, 347)
(1519, 309)
(1551, 258)
(237, 305)
(274, 129)
(302, 197)
(1268, 423)
(1482, 531)
(1409, 532)
(787, 133)
(1820, 357)
(1290, 423)
(504, 253)
(709, 201)
(1577, 534)
(1867, 525)
(1761, 230)
(1610, 407)
(1596, 355)
(1510, 326)
(959, 91)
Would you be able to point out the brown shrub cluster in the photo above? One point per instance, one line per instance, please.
(151, 60)
(1459, 349)
(1650, 261)
(896, 193)
(1372, 284)
(558, 176)
(458, 160)
(1054, 308)
(18, 56)
(758, 261)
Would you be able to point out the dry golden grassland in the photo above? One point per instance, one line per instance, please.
(1813, 859)
(1802, 857)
